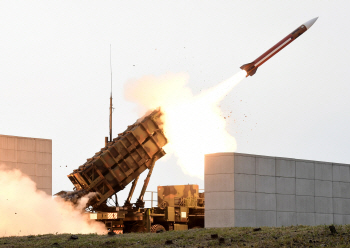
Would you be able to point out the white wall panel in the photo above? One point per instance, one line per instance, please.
(26, 157)
(43, 158)
(285, 167)
(285, 185)
(44, 170)
(244, 218)
(286, 219)
(323, 171)
(268, 191)
(44, 182)
(8, 164)
(265, 184)
(28, 169)
(219, 218)
(219, 182)
(305, 169)
(305, 187)
(8, 155)
(266, 218)
(341, 173)
(7, 142)
(31, 156)
(26, 144)
(306, 219)
(244, 182)
(244, 164)
(265, 166)
(43, 146)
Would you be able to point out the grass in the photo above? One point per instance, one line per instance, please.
(294, 236)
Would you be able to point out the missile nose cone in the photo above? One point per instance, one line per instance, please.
(310, 23)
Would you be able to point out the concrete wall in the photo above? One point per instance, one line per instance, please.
(30, 155)
(251, 190)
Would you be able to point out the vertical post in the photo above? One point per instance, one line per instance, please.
(152, 200)
(116, 200)
(140, 203)
(110, 118)
(148, 220)
(131, 192)
(110, 100)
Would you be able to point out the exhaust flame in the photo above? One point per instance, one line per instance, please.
(27, 211)
(192, 123)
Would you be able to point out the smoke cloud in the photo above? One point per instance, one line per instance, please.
(28, 211)
(193, 124)
(151, 92)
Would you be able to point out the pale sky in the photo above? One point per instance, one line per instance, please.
(55, 74)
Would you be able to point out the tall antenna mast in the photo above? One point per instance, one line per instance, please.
(110, 100)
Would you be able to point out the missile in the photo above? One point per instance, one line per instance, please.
(251, 68)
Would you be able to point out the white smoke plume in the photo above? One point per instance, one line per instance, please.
(28, 211)
(193, 124)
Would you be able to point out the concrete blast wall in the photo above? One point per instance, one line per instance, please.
(250, 190)
(31, 156)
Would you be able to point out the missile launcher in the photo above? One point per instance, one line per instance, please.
(120, 162)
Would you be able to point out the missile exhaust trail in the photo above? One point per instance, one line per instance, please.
(251, 68)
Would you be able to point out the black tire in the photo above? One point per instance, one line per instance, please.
(157, 228)
(163, 205)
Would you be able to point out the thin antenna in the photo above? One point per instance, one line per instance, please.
(110, 63)
(110, 100)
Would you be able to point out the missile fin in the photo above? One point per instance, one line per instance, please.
(249, 68)
(251, 73)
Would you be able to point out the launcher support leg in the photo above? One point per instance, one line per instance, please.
(116, 200)
(131, 192)
(140, 203)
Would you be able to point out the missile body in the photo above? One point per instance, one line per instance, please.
(251, 68)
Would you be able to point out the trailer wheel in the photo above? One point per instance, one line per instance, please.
(163, 205)
(157, 229)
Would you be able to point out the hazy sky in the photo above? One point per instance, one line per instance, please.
(55, 74)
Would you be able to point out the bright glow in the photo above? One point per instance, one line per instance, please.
(193, 125)
(27, 211)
